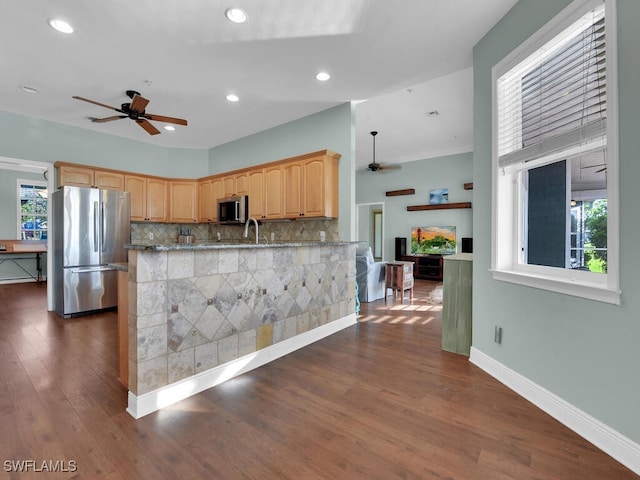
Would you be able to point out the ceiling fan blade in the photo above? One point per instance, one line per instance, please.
(162, 118)
(138, 104)
(593, 166)
(390, 167)
(97, 103)
(151, 130)
(108, 119)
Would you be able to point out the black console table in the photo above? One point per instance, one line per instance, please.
(427, 267)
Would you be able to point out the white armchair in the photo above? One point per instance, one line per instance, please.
(369, 275)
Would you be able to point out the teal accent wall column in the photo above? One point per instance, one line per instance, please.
(583, 351)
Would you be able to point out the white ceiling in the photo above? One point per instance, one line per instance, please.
(406, 58)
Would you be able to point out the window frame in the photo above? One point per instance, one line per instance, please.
(20, 182)
(507, 196)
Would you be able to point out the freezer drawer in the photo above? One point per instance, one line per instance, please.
(88, 288)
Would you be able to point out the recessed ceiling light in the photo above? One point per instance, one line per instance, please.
(323, 76)
(60, 25)
(236, 15)
(171, 128)
(28, 89)
(233, 97)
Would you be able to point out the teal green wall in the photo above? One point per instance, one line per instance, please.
(585, 352)
(9, 200)
(331, 129)
(451, 172)
(34, 139)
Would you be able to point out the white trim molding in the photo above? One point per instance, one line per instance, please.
(141, 405)
(610, 441)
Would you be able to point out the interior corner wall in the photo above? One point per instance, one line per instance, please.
(451, 171)
(35, 139)
(331, 129)
(583, 351)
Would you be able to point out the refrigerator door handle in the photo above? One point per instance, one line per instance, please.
(91, 269)
(102, 226)
(95, 226)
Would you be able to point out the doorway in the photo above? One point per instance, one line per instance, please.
(370, 227)
(47, 171)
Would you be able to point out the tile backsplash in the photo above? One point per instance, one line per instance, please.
(294, 231)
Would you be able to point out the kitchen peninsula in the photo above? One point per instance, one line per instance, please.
(200, 314)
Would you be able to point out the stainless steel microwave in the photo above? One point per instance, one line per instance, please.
(233, 209)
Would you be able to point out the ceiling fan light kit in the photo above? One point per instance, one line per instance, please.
(135, 110)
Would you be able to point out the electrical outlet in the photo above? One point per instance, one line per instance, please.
(497, 334)
(150, 235)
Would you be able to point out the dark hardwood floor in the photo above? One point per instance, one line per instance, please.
(379, 400)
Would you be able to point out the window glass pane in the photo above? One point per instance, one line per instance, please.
(567, 231)
(33, 212)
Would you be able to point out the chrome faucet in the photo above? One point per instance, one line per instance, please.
(246, 228)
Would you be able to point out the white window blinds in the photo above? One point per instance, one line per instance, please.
(556, 97)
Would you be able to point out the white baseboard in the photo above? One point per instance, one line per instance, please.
(610, 441)
(7, 281)
(141, 405)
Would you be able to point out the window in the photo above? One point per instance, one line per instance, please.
(32, 210)
(554, 165)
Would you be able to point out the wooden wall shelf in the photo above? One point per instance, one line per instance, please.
(406, 191)
(440, 206)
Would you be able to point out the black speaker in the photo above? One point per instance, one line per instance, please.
(467, 245)
(401, 248)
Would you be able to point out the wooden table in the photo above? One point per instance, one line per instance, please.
(398, 276)
(24, 247)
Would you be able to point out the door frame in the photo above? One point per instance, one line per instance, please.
(47, 169)
(366, 214)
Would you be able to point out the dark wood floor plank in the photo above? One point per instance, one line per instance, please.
(378, 400)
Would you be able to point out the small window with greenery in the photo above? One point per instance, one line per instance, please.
(555, 163)
(32, 210)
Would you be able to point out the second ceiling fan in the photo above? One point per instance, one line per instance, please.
(135, 110)
(374, 166)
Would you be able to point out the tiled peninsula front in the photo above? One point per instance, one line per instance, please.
(198, 313)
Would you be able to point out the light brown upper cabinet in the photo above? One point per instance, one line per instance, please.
(256, 193)
(291, 189)
(273, 192)
(205, 202)
(320, 187)
(183, 197)
(148, 198)
(79, 176)
(311, 187)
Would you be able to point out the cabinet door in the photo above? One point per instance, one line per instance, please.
(205, 202)
(157, 193)
(292, 192)
(108, 180)
(242, 184)
(137, 187)
(256, 194)
(229, 186)
(313, 188)
(273, 192)
(217, 191)
(184, 198)
(75, 176)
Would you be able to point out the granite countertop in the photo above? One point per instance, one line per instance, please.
(123, 266)
(228, 245)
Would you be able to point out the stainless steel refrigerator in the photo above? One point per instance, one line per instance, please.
(91, 227)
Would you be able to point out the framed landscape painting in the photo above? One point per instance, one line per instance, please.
(439, 195)
(433, 240)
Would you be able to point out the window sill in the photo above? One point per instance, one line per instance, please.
(591, 291)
